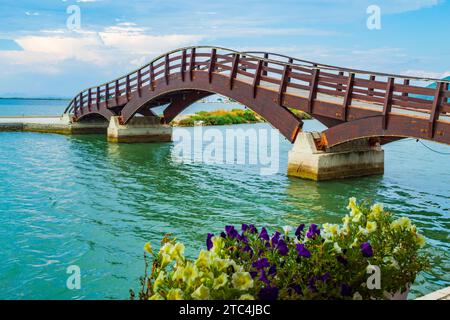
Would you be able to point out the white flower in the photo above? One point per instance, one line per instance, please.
(357, 296)
(337, 248)
(287, 229)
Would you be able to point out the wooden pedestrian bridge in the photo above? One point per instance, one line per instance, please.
(353, 104)
(362, 110)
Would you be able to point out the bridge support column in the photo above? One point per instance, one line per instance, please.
(352, 159)
(139, 129)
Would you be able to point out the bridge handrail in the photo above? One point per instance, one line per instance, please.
(253, 55)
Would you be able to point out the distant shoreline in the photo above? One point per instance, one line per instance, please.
(17, 98)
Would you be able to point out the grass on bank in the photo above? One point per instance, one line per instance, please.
(227, 117)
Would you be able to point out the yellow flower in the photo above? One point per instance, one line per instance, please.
(242, 280)
(371, 226)
(346, 219)
(376, 210)
(159, 280)
(166, 259)
(220, 281)
(166, 248)
(221, 264)
(202, 293)
(178, 274)
(203, 259)
(330, 229)
(148, 247)
(357, 214)
(156, 296)
(177, 251)
(247, 297)
(218, 244)
(175, 294)
(401, 223)
(420, 240)
(351, 203)
(190, 273)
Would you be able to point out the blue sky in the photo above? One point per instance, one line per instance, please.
(40, 56)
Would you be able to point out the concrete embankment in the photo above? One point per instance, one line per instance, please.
(51, 124)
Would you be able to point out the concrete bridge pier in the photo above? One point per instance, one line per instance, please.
(139, 129)
(352, 159)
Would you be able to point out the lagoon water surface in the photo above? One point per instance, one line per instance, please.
(78, 200)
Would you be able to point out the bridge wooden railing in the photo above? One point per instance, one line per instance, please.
(286, 75)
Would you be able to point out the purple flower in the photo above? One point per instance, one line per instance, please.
(245, 227)
(209, 243)
(223, 235)
(346, 290)
(275, 238)
(312, 284)
(325, 277)
(302, 251)
(263, 278)
(366, 250)
(272, 270)
(268, 293)
(299, 230)
(248, 249)
(231, 232)
(313, 231)
(253, 274)
(252, 228)
(264, 235)
(296, 288)
(261, 263)
(282, 248)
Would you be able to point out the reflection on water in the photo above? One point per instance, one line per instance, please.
(79, 200)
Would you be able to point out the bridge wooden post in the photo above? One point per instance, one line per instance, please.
(405, 83)
(127, 87)
(313, 89)
(139, 82)
(266, 64)
(257, 77)
(183, 64)
(348, 95)
(283, 84)
(234, 69)
(116, 91)
(152, 77)
(81, 102)
(435, 109)
(166, 68)
(97, 100)
(370, 89)
(192, 64)
(75, 106)
(388, 101)
(212, 63)
(89, 99)
(106, 95)
(340, 86)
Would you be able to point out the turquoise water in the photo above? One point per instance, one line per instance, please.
(77, 200)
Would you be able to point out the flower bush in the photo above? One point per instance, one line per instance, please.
(174, 277)
(329, 262)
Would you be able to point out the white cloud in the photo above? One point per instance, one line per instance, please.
(31, 13)
(123, 44)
